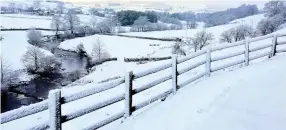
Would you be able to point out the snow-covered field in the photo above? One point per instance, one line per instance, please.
(216, 30)
(34, 21)
(119, 47)
(14, 45)
(117, 69)
(251, 98)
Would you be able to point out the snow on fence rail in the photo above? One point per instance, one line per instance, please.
(55, 100)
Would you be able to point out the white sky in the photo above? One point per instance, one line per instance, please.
(214, 4)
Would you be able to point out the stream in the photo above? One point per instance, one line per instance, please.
(37, 89)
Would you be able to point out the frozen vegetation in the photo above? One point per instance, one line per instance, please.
(85, 35)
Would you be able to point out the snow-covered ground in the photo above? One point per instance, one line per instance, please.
(119, 69)
(245, 99)
(216, 30)
(34, 21)
(14, 45)
(120, 47)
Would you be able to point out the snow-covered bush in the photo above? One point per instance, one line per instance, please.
(177, 49)
(105, 26)
(49, 65)
(226, 36)
(240, 32)
(73, 76)
(34, 37)
(276, 12)
(175, 27)
(36, 62)
(237, 33)
(80, 50)
(121, 30)
(275, 7)
(201, 39)
(270, 25)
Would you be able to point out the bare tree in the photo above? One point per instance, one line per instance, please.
(56, 24)
(98, 51)
(93, 22)
(34, 37)
(201, 39)
(71, 20)
(226, 36)
(31, 59)
(5, 70)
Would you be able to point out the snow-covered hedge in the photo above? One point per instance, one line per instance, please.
(146, 59)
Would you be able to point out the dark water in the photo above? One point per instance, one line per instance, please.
(38, 89)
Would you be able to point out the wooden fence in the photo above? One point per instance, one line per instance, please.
(56, 100)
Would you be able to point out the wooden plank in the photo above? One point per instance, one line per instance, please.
(281, 50)
(259, 56)
(228, 65)
(191, 67)
(217, 48)
(217, 58)
(151, 100)
(41, 126)
(92, 108)
(191, 56)
(281, 43)
(259, 47)
(241, 42)
(151, 84)
(94, 90)
(281, 35)
(105, 122)
(24, 111)
(196, 77)
(153, 70)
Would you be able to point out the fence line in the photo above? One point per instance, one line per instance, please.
(55, 100)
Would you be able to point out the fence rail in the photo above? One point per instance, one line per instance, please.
(56, 100)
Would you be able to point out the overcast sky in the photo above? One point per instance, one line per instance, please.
(218, 4)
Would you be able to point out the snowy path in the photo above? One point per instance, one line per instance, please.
(250, 98)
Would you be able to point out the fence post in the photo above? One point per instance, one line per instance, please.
(174, 74)
(55, 110)
(128, 93)
(246, 60)
(208, 62)
(274, 44)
